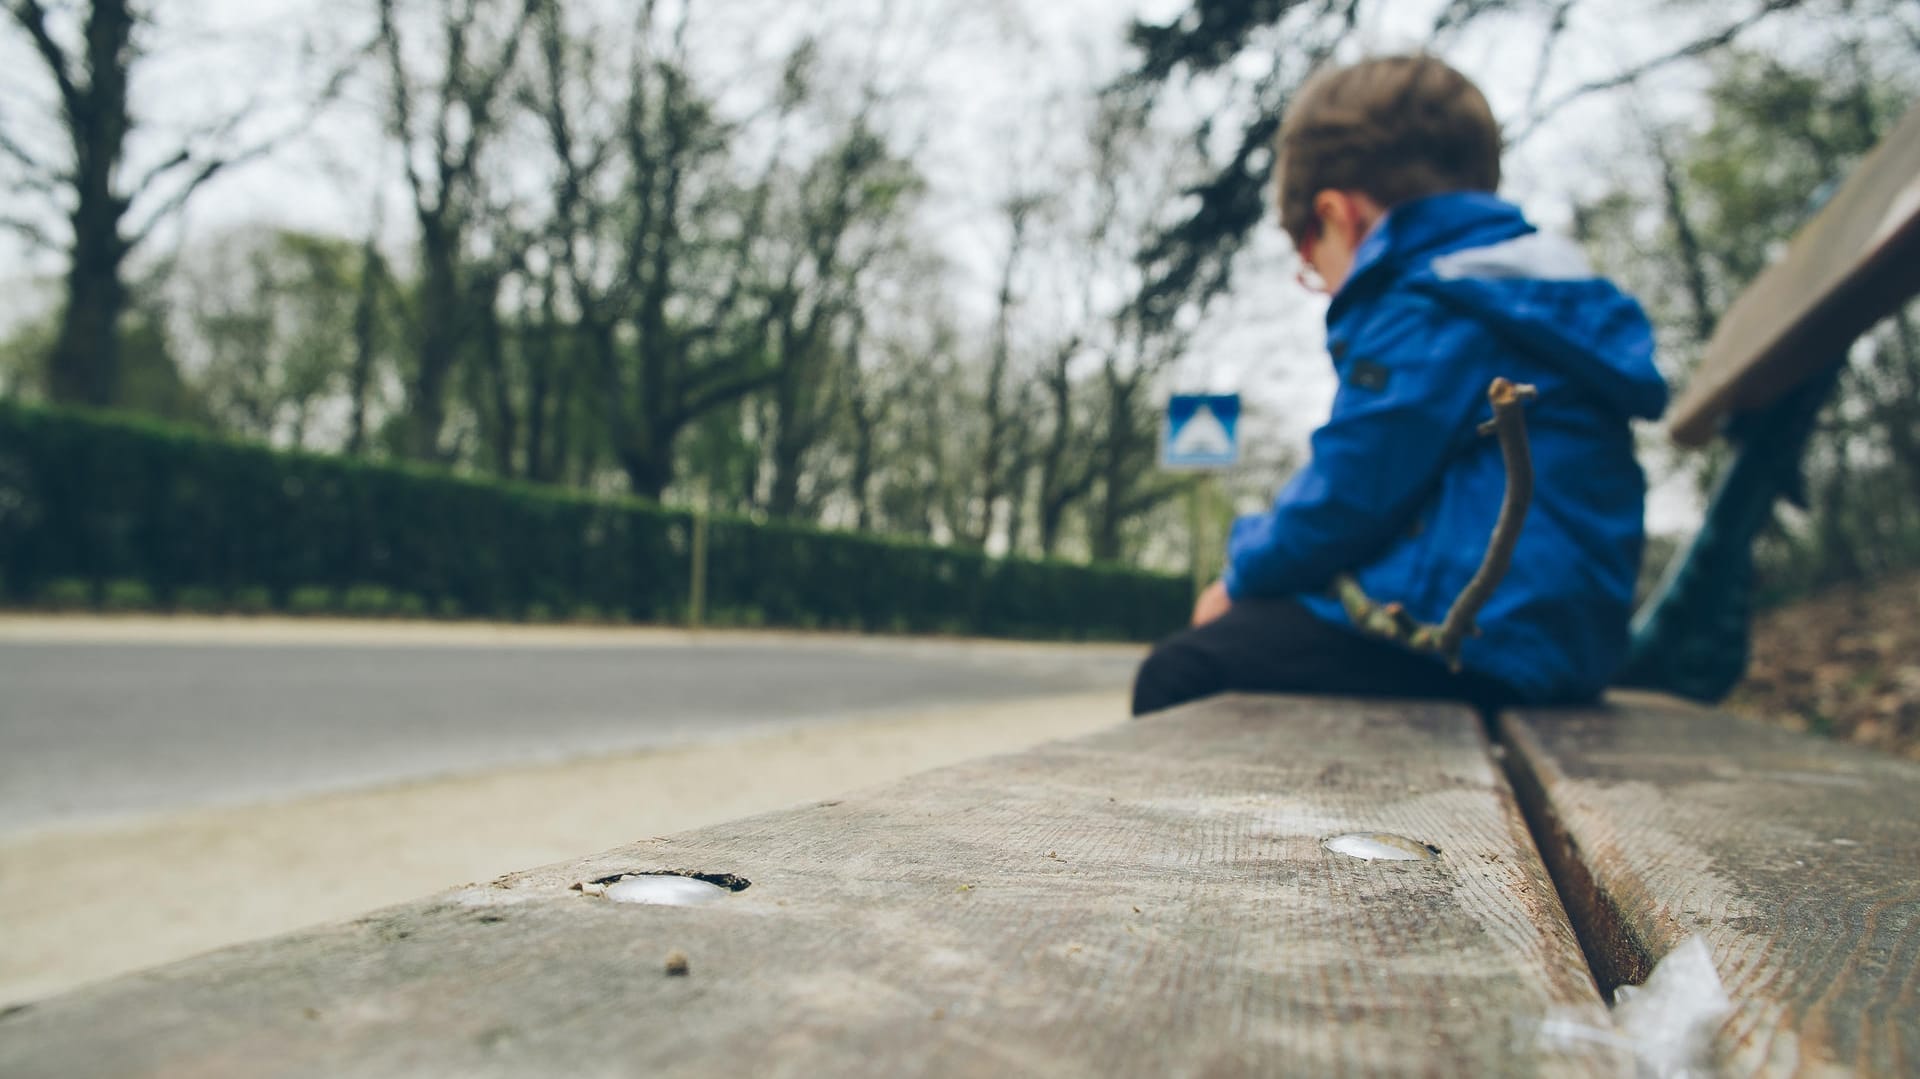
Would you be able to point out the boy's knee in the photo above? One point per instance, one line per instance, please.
(1173, 673)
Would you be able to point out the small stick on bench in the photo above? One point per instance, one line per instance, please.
(1391, 620)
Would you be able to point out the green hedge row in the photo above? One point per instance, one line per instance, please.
(123, 507)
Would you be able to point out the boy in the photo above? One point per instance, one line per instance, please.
(1387, 171)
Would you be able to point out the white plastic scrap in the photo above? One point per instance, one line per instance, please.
(1667, 1023)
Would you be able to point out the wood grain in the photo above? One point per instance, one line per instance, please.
(1851, 266)
(1797, 859)
(1150, 900)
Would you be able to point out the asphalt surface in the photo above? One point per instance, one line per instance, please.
(105, 730)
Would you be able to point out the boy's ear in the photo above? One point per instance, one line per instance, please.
(1342, 214)
(1326, 207)
(1348, 215)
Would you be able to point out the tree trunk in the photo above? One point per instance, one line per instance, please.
(365, 344)
(1693, 259)
(992, 466)
(1106, 529)
(1017, 485)
(866, 418)
(1058, 489)
(1116, 484)
(1899, 414)
(567, 379)
(493, 353)
(648, 463)
(862, 479)
(793, 430)
(1839, 555)
(439, 341)
(537, 347)
(84, 368)
(783, 494)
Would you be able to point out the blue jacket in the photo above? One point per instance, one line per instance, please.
(1445, 294)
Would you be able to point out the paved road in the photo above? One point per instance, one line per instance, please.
(91, 730)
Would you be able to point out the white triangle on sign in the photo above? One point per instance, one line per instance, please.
(1203, 435)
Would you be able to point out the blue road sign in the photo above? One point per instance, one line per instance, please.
(1202, 431)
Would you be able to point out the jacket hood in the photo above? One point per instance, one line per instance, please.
(1477, 254)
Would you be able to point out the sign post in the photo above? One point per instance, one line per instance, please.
(1201, 434)
(1197, 529)
(697, 572)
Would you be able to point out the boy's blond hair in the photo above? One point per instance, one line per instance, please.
(1397, 128)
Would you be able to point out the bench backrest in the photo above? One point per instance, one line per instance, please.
(1851, 266)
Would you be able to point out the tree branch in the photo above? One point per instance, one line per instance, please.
(1639, 71)
(1152, 496)
(402, 104)
(40, 177)
(28, 231)
(210, 167)
(751, 228)
(721, 391)
(33, 18)
(451, 90)
(1556, 27)
(481, 101)
(207, 171)
(216, 133)
(1391, 620)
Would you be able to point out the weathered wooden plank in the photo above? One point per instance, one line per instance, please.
(1796, 859)
(1151, 900)
(1851, 266)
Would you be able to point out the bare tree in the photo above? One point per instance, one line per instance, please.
(905, 406)
(851, 194)
(1066, 467)
(444, 123)
(374, 284)
(869, 408)
(107, 212)
(1112, 349)
(1129, 486)
(1001, 416)
(654, 276)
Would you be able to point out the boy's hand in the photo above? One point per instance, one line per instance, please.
(1212, 603)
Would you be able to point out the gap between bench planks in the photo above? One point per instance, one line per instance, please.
(1797, 859)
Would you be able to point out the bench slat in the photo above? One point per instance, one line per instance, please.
(1851, 266)
(1797, 859)
(1151, 900)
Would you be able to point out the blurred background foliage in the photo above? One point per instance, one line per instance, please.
(1711, 208)
(598, 262)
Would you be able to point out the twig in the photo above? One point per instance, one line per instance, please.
(1391, 620)
(1535, 119)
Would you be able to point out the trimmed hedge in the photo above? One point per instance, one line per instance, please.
(115, 507)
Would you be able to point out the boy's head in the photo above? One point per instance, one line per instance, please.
(1388, 130)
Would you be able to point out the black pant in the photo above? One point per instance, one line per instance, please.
(1278, 646)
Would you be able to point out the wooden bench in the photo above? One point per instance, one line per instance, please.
(1796, 859)
(1152, 900)
(1770, 367)
(1200, 893)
